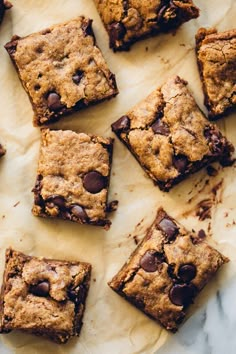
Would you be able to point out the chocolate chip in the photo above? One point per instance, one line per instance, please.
(94, 182)
(54, 101)
(79, 212)
(41, 289)
(150, 261)
(117, 32)
(78, 294)
(187, 272)
(112, 206)
(201, 234)
(160, 128)
(87, 28)
(169, 228)
(121, 125)
(180, 162)
(37, 87)
(182, 294)
(57, 200)
(77, 77)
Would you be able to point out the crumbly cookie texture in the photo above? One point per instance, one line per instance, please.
(4, 5)
(73, 177)
(2, 151)
(216, 56)
(43, 296)
(166, 271)
(169, 135)
(62, 69)
(128, 21)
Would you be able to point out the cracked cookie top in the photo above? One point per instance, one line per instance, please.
(166, 271)
(168, 133)
(62, 69)
(216, 55)
(128, 20)
(43, 296)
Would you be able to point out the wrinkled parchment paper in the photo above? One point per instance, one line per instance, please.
(111, 325)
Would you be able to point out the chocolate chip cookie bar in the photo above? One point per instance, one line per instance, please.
(166, 271)
(73, 177)
(4, 5)
(216, 56)
(169, 135)
(128, 21)
(62, 69)
(2, 151)
(42, 296)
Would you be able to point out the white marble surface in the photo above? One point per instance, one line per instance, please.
(111, 325)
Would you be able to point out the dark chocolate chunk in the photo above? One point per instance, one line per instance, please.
(57, 200)
(160, 128)
(121, 125)
(112, 206)
(41, 289)
(87, 28)
(187, 272)
(77, 77)
(54, 102)
(182, 294)
(94, 182)
(79, 212)
(77, 295)
(211, 171)
(150, 261)
(215, 139)
(180, 162)
(117, 32)
(169, 228)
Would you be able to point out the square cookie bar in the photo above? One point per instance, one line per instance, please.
(216, 56)
(2, 151)
(42, 296)
(4, 5)
(128, 21)
(169, 135)
(62, 69)
(166, 271)
(73, 177)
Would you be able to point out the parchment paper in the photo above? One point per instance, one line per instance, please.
(111, 325)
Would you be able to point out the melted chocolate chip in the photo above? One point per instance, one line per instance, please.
(160, 128)
(41, 289)
(54, 102)
(180, 162)
(187, 272)
(77, 77)
(57, 200)
(121, 125)
(182, 294)
(169, 228)
(117, 32)
(94, 182)
(168, 15)
(79, 212)
(150, 261)
(77, 295)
